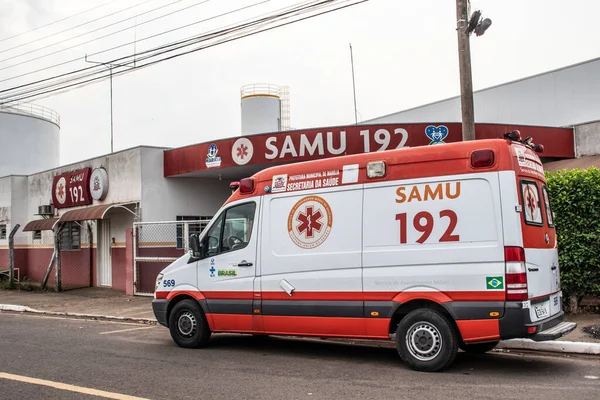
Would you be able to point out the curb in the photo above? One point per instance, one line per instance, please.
(21, 309)
(553, 346)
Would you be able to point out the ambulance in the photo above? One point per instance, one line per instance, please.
(438, 248)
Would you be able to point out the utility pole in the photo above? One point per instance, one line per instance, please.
(464, 61)
(353, 86)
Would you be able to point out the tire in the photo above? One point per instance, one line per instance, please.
(478, 348)
(188, 325)
(439, 340)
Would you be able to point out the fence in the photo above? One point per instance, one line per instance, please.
(35, 256)
(76, 255)
(156, 245)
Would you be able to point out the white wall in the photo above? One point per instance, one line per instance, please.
(587, 139)
(28, 144)
(564, 97)
(165, 198)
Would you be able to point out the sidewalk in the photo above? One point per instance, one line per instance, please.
(91, 301)
(107, 302)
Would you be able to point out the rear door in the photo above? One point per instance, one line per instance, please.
(539, 237)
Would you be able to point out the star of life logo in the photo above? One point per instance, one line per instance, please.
(310, 222)
(61, 190)
(242, 151)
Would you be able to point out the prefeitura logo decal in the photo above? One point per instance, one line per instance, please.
(310, 222)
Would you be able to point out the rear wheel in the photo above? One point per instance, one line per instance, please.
(188, 325)
(426, 340)
(478, 348)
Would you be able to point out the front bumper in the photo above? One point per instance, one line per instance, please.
(160, 308)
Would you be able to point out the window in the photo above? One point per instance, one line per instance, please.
(2, 231)
(70, 237)
(532, 210)
(232, 231)
(549, 214)
(193, 228)
(37, 235)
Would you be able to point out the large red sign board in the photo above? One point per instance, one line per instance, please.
(72, 189)
(310, 144)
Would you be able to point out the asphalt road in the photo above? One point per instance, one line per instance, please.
(136, 360)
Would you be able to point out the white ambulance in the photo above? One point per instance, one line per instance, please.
(442, 247)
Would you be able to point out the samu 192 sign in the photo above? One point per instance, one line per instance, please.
(72, 189)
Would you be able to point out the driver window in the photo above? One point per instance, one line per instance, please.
(234, 233)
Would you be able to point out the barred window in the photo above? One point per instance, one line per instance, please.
(70, 237)
(37, 235)
(3, 231)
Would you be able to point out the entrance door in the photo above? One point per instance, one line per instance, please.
(104, 254)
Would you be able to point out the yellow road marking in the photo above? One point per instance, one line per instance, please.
(70, 388)
(126, 330)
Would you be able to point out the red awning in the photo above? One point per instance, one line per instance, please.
(91, 213)
(41, 225)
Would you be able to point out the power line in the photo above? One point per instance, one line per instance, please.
(101, 37)
(123, 45)
(85, 33)
(55, 22)
(22, 94)
(35, 93)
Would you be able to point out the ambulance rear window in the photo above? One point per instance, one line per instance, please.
(548, 207)
(532, 208)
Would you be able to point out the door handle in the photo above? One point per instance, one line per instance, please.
(245, 264)
(553, 268)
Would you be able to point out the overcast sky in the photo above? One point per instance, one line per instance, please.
(405, 55)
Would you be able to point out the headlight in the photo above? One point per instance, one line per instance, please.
(158, 280)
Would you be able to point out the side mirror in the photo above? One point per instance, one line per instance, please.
(195, 245)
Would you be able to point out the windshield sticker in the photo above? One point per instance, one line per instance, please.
(531, 204)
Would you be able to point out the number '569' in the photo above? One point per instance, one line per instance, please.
(169, 283)
(424, 223)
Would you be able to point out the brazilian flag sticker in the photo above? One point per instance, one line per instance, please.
(494, 282)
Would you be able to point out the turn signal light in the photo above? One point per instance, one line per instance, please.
(482, 158)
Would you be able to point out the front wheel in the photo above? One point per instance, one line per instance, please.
(188, 325)
(426, 340)
(478, 348)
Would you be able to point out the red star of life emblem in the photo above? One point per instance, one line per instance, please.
(530, 202)
(310, 222)
(61, 191)
(242, 151)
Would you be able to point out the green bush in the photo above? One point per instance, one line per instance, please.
(575, 199)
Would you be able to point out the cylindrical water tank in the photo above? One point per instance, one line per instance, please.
(261, 108)
(29, 139)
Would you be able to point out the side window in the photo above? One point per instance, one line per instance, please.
(549, 214)
(232, 231)
(532, 210)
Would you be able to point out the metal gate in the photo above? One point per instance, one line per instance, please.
(156, 245)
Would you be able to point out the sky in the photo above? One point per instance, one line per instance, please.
(405, 55)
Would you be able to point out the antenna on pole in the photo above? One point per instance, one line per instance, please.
(353, 85)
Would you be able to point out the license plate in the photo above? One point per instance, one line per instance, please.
(541, 310)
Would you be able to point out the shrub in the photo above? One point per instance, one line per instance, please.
(575, 199)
